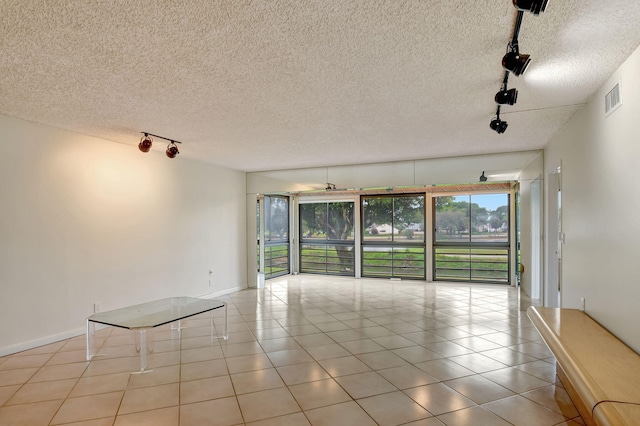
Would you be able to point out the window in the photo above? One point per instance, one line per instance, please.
(471, 238)
(276, 235)
(393, 238)
(327, 238)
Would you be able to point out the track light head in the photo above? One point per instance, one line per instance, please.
(145, 143)
(516, 62)
(172, 150)
(498, 125)
(508, 97)
(533, 6)
(483, 178)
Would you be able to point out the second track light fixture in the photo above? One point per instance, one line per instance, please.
(146, 142)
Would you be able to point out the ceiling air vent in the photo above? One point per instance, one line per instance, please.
(612, 100)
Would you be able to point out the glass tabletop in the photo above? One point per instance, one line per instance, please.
(156, 313)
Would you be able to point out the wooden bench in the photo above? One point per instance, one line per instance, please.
(600, 373)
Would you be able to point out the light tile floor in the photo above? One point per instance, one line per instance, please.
(308, 350)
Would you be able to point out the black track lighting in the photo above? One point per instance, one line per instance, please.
(172, 150)
(145, 143)
(533, 6)
(514, 61)
(505, 96)
(498, 125)
(483, 178)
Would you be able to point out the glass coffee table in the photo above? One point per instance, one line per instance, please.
(147, 316)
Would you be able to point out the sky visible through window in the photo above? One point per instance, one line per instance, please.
(488, 201)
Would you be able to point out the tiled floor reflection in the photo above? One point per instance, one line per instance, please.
(308, 350)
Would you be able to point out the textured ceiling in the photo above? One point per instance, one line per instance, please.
(275, 84)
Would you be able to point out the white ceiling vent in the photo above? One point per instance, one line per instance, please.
(612, 100)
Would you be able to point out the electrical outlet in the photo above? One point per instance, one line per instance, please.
(582, 303)
(96, 307)
(210, 277)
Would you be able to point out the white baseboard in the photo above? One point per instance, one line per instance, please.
(222, 293)
(23, 346)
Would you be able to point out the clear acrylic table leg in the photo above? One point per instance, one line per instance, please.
(176, 325)
(225, 336)
(143, 346)
(212, 326)
(226, 321)
(91, 337)
(143, 350)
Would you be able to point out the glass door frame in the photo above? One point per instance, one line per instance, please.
(267, 243)
(327, 242)
(394, 245)
(470, 245)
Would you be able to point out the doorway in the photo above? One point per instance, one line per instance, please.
(553, 282)
(276, 236)
(536, 239)
(471, 238)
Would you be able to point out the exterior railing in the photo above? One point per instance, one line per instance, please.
(276, 259)
(380, 261)
(328, 258)
(488, 264)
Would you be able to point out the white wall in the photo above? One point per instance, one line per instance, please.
(600, 205)
(530, 173)
(84, 220)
